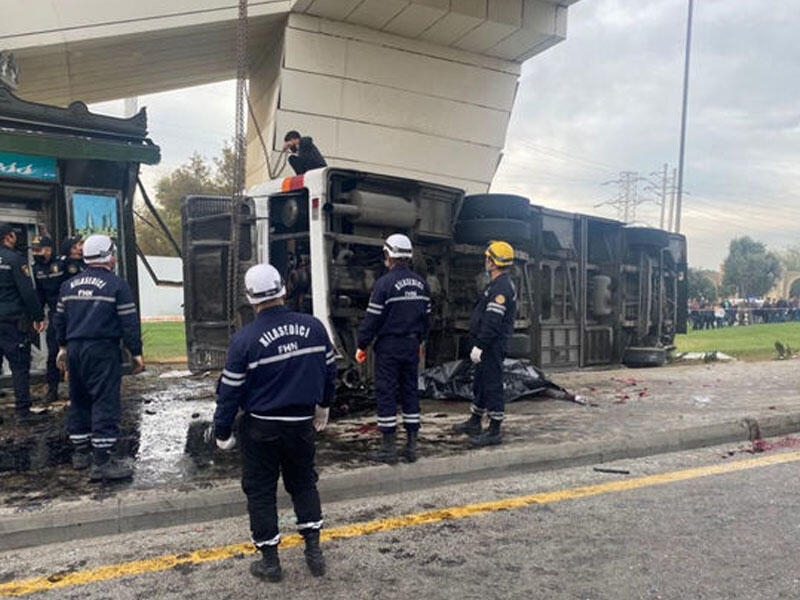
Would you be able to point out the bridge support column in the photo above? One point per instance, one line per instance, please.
(377, 101)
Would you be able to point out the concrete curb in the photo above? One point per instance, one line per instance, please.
(127, 514)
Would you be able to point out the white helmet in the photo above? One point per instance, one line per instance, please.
(98, 249)
(263, 283)
(397, 246)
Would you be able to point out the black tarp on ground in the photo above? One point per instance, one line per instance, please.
(521, 378)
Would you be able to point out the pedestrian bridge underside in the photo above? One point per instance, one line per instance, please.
(417, 88)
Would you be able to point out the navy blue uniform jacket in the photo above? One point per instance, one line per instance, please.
(493, 317)
(17, 296)
(97, 305)
(49, 276)
(279, 367)
(400, 305)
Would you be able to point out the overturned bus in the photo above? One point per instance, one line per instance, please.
(591, 291)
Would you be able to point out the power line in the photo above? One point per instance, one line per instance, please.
(565, 156)
(628, 198)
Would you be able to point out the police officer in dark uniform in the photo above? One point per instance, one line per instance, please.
(398, 316)
(491, 325)
(19, 309)
(70, 260)
(48, 276)
(281, 371)
(95, 311)
(305, 155)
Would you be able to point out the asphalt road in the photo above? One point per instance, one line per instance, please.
(713, 524)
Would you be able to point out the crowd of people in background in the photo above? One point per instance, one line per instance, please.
(712, 315)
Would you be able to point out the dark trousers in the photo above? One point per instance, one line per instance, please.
(53, 373)
(269, 449)
(95, 375)
(396, 360)
(487, 386)
(15, 345)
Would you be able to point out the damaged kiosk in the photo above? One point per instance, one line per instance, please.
(67, 172)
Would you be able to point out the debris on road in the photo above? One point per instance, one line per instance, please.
(712, 356)
(612, 470)
(521, 378)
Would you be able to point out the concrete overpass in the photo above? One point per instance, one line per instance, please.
(420, 88)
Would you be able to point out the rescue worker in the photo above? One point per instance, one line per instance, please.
(397, 318)
(491, 325)
(281, 370)
(70, 260)
(305, 155)
(48, 276)
(95, 310)
(19, 310)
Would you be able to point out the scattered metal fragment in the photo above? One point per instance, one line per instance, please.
(612, 470)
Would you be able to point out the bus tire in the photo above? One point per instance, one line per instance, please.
(482, 231)
(494, 206)
(644, 356)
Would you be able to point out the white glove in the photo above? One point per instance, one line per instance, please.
(475, 354)
(61, 359)
(321, 417)
(227, 444)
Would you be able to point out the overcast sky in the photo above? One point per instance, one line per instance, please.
(608, 100)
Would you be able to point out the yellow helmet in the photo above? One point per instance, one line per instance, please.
(500, 253)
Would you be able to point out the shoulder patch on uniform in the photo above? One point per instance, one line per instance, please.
(25, 270)
(500, 299)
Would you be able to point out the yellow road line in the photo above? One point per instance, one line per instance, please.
(162, 563)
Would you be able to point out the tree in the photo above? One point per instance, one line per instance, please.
(700, 285)
(790, 258)
(750, 269)
(195, 176)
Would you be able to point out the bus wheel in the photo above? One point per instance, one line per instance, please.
(481, 231)
(494, 206)
(644, 357)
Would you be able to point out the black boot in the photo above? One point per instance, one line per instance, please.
(471, 426)
(387, 453)
(81, 456)
(490, 437)
(268, 566)
(25, 416)
(410, 451)
(52, 393)
(314, 558)
(109, 468)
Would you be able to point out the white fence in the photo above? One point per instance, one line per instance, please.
(161, 302)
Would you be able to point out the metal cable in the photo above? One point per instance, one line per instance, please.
(240, 161)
